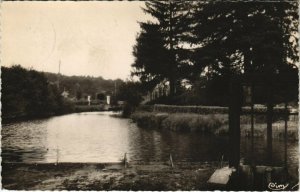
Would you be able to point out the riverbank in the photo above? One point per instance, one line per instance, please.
(77, 109)
(154, 176)
(212, 124)
(112, 176)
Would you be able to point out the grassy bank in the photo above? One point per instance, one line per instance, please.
(93, 176)
(180, 121)
(212, 124)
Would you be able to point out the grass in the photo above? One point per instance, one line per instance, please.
(260, 130)
(180, 121)
(194, 122)
(212, 123)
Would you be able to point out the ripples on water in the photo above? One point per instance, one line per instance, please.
(99, 137)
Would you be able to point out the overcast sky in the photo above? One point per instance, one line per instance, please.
(90, 38)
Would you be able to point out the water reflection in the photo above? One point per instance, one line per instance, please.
(24, 141)
(86, 138)
(99, 137)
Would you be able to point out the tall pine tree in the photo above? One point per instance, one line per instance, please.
(161, 43)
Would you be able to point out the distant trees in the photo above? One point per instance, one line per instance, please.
(80, 86)
(101, 96)
(29, 93)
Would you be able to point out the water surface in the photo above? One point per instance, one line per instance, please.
(100, 137)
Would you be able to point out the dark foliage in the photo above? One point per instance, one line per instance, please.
(28, 94)
(218, 40)
(247, 38)
(131, 93)
(159, 51)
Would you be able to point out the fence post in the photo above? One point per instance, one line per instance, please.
(252, 125)
(234, 122)
(269, 122)
(171, 160)
(57, 156)
(285, 137)
(125, 160)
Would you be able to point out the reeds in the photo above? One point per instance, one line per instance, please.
(180, 121)
(211, 123)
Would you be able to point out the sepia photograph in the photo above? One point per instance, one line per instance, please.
(154, 95)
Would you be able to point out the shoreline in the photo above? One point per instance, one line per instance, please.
(150, 176)
(24, 118)
(107, 176)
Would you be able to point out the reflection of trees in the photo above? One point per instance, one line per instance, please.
(149, 145)
(177, 144)
(24, 141)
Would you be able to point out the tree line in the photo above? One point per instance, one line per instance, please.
(27, 93)
(206, 43)
(81, 86)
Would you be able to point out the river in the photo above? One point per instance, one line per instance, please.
(100, 137)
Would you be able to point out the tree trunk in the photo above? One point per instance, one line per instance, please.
(234, 122)
(172, 86)
(172, 63)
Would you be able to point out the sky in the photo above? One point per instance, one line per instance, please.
(88, 38)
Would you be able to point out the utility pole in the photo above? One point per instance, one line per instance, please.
(115, 88)
(58, 77)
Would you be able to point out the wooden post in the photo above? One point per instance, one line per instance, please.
(286, 116)
(171, 161)
(125, 160)
(234, 122)
(221, 161)
(269, 122)
(57, 156)
(252, 127)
